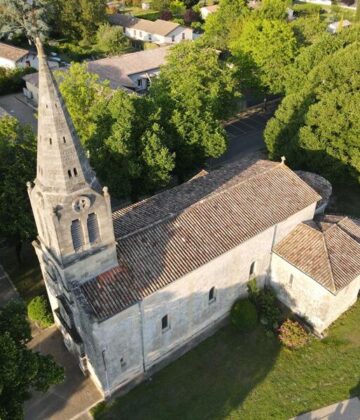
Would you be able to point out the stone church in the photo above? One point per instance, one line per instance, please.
(135, 288)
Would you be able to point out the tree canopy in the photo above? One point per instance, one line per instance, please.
(111, 39)
(317, 126)
(219, 25)
(17, 166)
(263, 51)
(21, 370)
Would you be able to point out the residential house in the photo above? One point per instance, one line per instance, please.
(131, 72)
(14, 57)
(208, 10)
(336, 27)
(158, 32)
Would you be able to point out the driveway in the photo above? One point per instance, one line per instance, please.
(246, 133)
(16, 105)
(68, 400)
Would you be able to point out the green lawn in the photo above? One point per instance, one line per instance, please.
(26, 276)
(234, 376)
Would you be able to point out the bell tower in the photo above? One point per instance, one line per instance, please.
(72, 213)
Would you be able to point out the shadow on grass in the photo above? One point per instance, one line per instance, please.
(206, 383)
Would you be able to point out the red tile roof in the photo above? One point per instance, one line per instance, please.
(174, 233)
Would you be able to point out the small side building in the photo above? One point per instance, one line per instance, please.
(338, 26)
(316, 269)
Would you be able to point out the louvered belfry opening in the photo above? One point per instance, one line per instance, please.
(77, 234)
(93, 228)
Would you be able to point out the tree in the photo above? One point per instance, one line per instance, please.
(264, 49)
(85, 96)
(79, 19)
(25, 17)
(194, 91)
(308, 29)
(17, 166)
(111, 39)
(218, 25)
(21, 370)
(177, 8)
(274, 9)
(317, 127)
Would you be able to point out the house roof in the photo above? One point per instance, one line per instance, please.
(118, 69)
(211, 9)
(327, 250)
(12, 53)
(177, 231)
(159, 27)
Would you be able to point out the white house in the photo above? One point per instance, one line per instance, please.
(158, 32)
(13, 57)
(335, 27)
(208, 10)
(131, 72)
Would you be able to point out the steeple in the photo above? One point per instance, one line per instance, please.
(73, 216)
(61, 164)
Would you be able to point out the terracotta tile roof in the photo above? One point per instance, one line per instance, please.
(177, 231)
(12, 53)
(327, 250)
(159, 27)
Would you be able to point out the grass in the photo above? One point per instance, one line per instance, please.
(250, 376)
(26, 276)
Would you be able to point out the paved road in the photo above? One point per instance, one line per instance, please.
(7, 289)
(69, 400)
(245, 134)
(16, 106)
(344, 410)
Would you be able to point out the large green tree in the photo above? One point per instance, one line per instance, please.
(121, 132)
(263, 51)
(111, 39)
(274, 9)
(219, 25)
(195, 91)
(17, 166)
(23, 17)
(317, 126)
(21, 370)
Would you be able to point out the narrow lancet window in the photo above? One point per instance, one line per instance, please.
(93, 228)
(77, 234)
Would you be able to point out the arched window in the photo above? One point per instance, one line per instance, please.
(75, 172)
(93, 228)
(69, 173)
(77, 234)
(252, 269)
(212, 294)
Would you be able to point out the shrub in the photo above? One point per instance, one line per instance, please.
(266, 304)
(243, 315)
(11, 79)
(39, 311)
(292, 334)
(269, 311)
(166, 15)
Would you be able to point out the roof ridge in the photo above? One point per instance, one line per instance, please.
(328, 258)
(196, 204)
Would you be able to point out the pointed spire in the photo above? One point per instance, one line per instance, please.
(62, 166)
